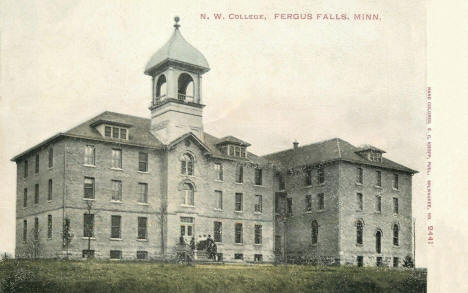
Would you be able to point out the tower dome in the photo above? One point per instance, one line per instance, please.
(177, 50)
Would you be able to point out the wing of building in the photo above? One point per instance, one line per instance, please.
(124, 187)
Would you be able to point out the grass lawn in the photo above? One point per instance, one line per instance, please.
(108, 276)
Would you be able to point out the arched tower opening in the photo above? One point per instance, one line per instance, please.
(185, 88)
(161, 88)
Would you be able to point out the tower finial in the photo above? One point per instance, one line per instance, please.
(176, 25)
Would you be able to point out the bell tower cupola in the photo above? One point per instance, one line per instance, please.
(176, 71)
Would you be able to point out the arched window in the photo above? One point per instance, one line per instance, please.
(161, 88)
(396, 236)
(188, 194)
(359, 230)
(378, 241)
(187, 165)
(314, 232)
(185, 88)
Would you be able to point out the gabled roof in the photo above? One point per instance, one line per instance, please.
(232, 140)
(179, 50)
(139, 135)
(334, 149)
(193, 137)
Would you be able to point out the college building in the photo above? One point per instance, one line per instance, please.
(124, 187)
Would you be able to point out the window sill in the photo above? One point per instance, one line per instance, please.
(218, 210)
(116, 201)
(258, 244)
(378, 213)
(86, 238)
(256, 185)
(219, 243)
(49, 200)
(257, 213)
(396, 189)
(396, 214)
(321, 211)
(217, 180)
(358, 183)
(359, 211)
(239, 212)
(86, 199)
(115, 239)
(308, 186)
(378, 187)
(143, 203)
(322, 184)
(90, 166)
(142, 240)
(187, 206)
(396, 246)
(359, 245)
(116, 169)
(240, 183)
(308, 212)
(239, 244)
(143, 172)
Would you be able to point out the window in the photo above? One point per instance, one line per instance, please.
(218, 232)
(51, 157)
(238, 233)
(231, 150)
(142, 162)
(281, 184)
(258, 257)
(395, 181)
(49, 226)
(87, 253)
(238, 202)
(49, 190)
(308, 177)
(219, 256)
(36, 229)
(89, 158)
(143, 192)
(117, 158)
(396, 236)
(142, 227)
(258, 176)
(238, 256)
(359, 176)
(378, 204)
(359, 201)
(320, 175)
(396, 262)
(219, 171)
(141, 254)
(360, 261)
(89, 188)
(237, 151)
(25, 169)
(186, 226)
(115, 254)
(115, 132)
(219, 199)
(258, 203)
(378, 241)
(308, 203)
(115, 227)
(116, 190)
(25, 230)
(378, 175)
(239, 174)
(258, 234)
(187, 165)
(395, 206)
(123, 133)
(379, 262)
(107, 131)
(359, 232)
(188, 194)
(289, 200)
(243, 153)
(36, 168)
(277, 202)
(25, 198)
(314, 232)
(36, 193)
(277, 243)
(88, 225)
(321, 201)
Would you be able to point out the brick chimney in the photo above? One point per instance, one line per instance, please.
(295, 145)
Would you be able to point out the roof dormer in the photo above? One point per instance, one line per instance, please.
(112, 129)
(233, 147)
(370, 153)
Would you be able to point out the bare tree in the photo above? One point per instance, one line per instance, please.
(32, 247)
(67, 234)
(89, 228)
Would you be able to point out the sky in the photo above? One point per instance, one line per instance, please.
(271, 81)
